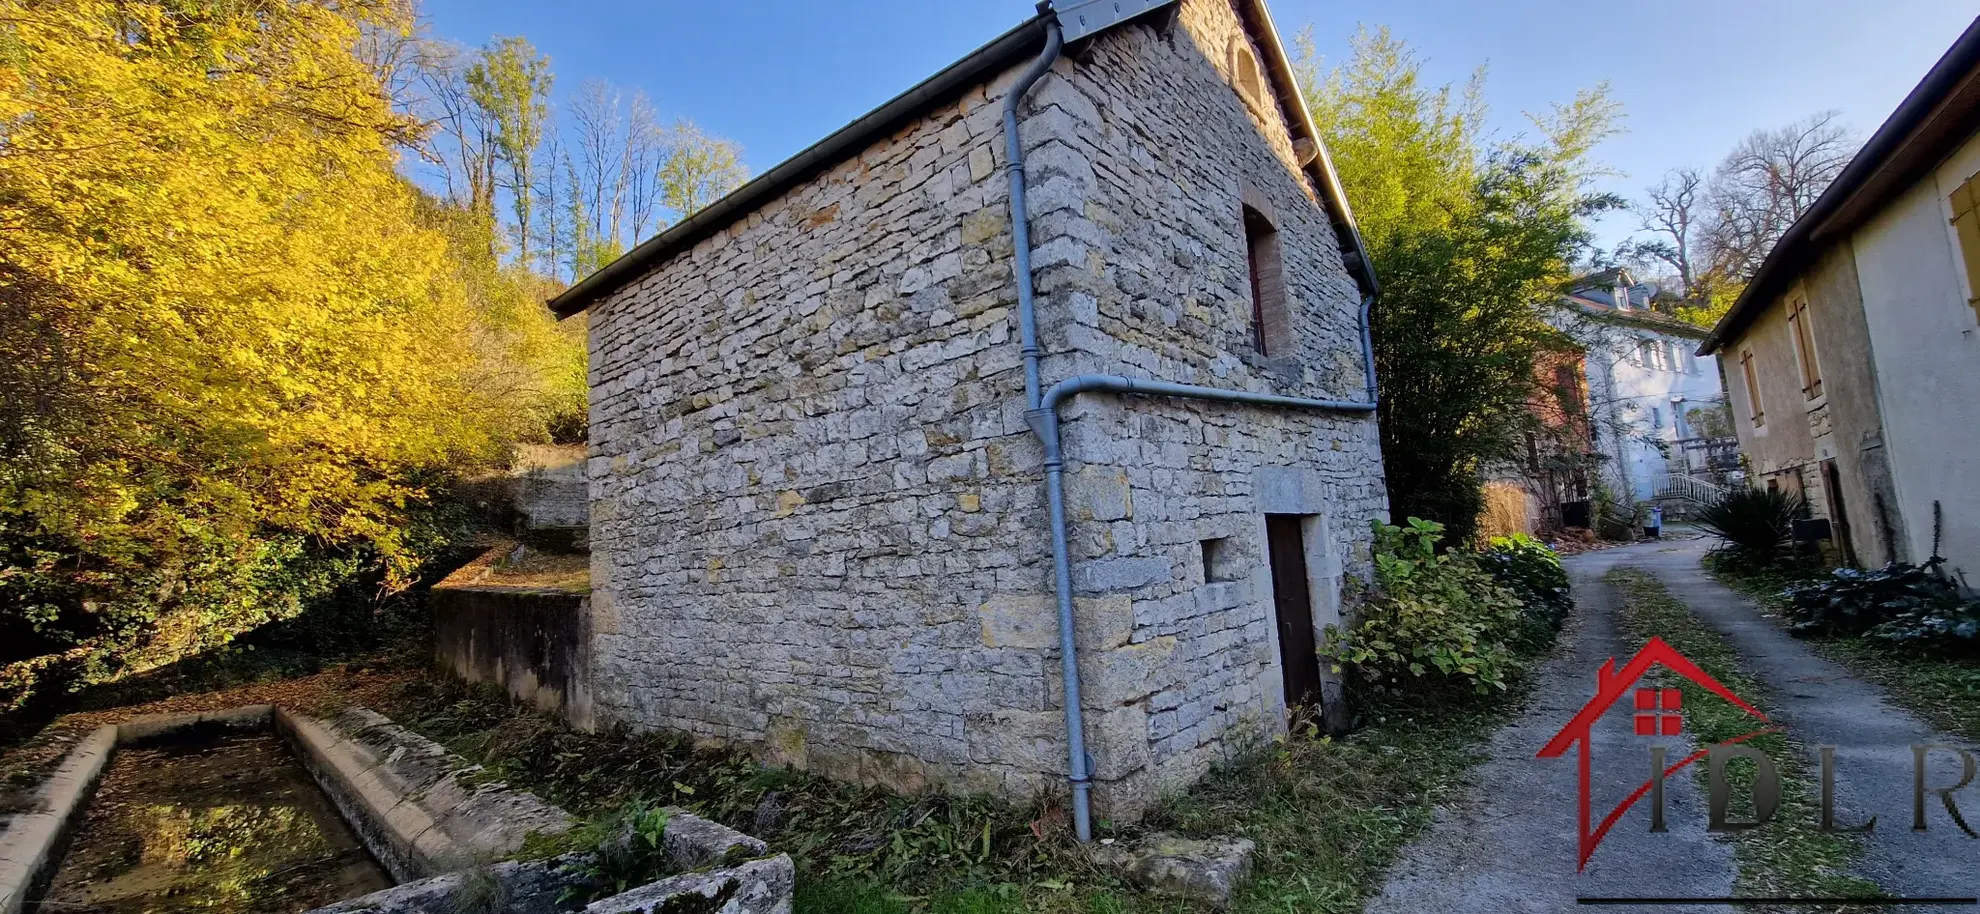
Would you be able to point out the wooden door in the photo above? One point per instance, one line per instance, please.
(1294, 609)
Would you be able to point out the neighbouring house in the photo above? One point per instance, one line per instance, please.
(1656, 411)
(1623, 407)
(1853, 355)
(1544, 489)
(825, 465)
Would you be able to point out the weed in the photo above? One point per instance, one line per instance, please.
(479, 893)
(1328, 814)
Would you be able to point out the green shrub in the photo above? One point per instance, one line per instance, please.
(1754, 523)
(627, 848)
(1533, 573)
(1900, 602)
(1435, 621)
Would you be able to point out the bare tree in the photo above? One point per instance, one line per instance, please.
(596, 119)
(554, 240)
(1671, 214)
(463, 139)
(1714, 232)
(1768, 181)
(642, 163)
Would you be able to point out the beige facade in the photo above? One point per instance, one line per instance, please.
(1853, 359)
(1824, 443)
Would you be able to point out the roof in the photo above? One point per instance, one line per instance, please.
(1641, 317)
(1595, 294)
(979, 66)
(1941, 112)
(1612, 276)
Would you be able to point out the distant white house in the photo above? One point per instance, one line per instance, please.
(1657, 410)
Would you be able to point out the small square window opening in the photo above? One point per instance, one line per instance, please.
(1220, 560)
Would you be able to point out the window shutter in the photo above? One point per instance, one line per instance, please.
(1752, 378)
(1966, 224)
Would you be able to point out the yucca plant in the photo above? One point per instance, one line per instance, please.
(1755, 523)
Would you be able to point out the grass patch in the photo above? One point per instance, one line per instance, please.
(1328, 814)
(1787, 856)
(1942, 689)
(1766, 584)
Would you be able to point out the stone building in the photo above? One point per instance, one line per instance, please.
(819, 516)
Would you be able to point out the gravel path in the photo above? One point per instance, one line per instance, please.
(1821, 704)
(1510, 845)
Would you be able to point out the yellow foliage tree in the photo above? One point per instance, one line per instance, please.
(234, 333)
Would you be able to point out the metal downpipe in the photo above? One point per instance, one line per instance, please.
(1046, 424)
(1107, 383)
(1020, 219)
(1368, 347)
(1042, 415)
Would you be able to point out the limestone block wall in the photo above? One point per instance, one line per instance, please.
(1148, 254)
(818, 523)
(810, 469)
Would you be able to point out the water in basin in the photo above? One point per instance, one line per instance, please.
(212, 823)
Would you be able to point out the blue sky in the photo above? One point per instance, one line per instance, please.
(1694, 76)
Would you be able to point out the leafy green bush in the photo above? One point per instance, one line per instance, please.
(1755, 523)
(1434, 620)
(1900, 603)
(625, 847)
(1533, 573)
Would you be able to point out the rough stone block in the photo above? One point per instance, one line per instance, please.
(1118, 574)
(1118, 741)
(1032, 621)
(1127, 674)
(757, 887)
(1206, 871)
(1100, 493)
(693, 842)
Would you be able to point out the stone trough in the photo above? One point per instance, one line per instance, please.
(448, 835)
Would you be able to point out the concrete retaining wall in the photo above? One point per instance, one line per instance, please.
(419, 808)
(34, 840)
(532, 643)
(436, 823)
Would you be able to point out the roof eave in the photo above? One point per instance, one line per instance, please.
(1885, 164)
(974, 69)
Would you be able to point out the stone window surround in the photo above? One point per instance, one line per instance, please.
(1271, 315)
(1247, 77)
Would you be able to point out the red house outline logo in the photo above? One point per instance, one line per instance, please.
(1655, 715)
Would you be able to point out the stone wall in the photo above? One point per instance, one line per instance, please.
(818, 523)
(549, 486)
(527, 634)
